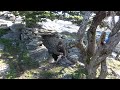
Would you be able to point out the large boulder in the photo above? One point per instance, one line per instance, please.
(64, 61)
(17, 26)
(34, 44)
(12, 35)
(39, 54)
(74, 54)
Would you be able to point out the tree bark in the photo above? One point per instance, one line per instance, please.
(104, 71)
(81, 33)
(91, 48)
(96, 54)
(92, 32)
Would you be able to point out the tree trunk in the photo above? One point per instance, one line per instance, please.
(81, 33)
(91, 49)
(104, 71)
(96, 54)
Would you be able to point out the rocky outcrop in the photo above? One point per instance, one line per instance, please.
(34, 38)
(6, 15)
(15, 32)
(5, 24)
(43, 39)
(16, 27)
(39, 54)
(12, 35)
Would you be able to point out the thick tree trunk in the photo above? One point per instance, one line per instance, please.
(91, 49)
(96, 54)
(107, 50)
(104, 71)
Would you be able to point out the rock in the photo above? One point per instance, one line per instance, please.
(113, 54)
(73, 54)
(17, 26)
(35, 42)
(12, 17)
(18, 19)
(74, 58)
(4, 26)
(51, 59)
(8, 16)
(47, 32)
(66, 76)
(63, 61)
(12, 35)
(5, 22)
(39, 54)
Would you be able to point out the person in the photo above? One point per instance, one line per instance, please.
(60, 51)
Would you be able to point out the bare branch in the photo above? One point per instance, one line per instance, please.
(115, 29)
(81, 31)
(113, 19)
(83, 25)
(108, 48)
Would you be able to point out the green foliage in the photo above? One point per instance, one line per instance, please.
(47, 74)
(11, 74)
(79, 74)
(3, 31)
(5, 41)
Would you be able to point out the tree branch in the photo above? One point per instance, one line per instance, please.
(92, 32)
(115, 29)
(81, 31)
(104, 71)
(108, 48)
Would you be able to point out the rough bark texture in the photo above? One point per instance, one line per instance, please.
(106, 50)
(104, 71)
(92, 32)
(81, 33)
(96, 54)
